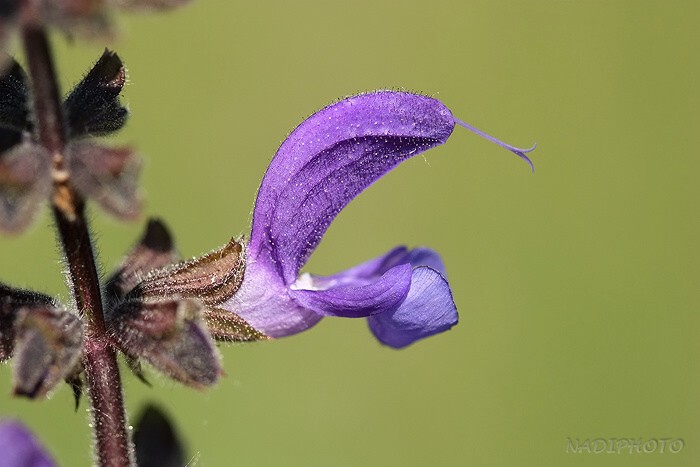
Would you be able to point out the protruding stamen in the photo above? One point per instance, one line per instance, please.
(517, 151)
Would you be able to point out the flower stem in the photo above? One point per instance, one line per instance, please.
(113, 447)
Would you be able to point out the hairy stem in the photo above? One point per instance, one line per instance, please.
(113, 447)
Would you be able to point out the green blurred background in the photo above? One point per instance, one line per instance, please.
(577, 286)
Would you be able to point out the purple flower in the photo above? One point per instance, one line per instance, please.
(326, 162)
(19, 448)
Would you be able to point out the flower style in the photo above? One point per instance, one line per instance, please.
(20, 448)
(325, 162)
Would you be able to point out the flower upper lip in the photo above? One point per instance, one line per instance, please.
(329, 159)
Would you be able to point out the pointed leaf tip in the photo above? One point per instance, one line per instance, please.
(76, 383)
(136, 368)
(155, 250)
(157, 236)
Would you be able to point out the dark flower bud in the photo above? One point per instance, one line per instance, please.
(93, 108)
(9, 139)
(108, 176)
(12, 301)
(170, 335)
(14, 97)
(156, 440)
(212, 278)
(155, 250)
(48, 346)
(14, 110)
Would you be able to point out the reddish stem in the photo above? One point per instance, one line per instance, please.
(113, 447)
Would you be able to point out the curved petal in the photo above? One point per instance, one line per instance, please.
(428, 309)
(331, 158)
(19, 447)
(360, 299)
(363, 272)
(379, 285)
(376, 286)
(370, 270)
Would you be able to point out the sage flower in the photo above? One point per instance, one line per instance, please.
(328, 160)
